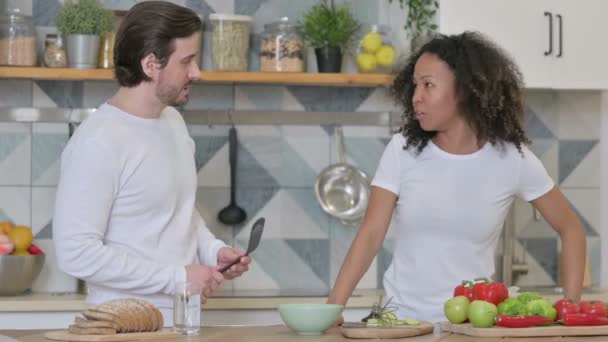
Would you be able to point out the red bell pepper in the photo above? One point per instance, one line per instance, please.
(584, 319)
(493, 292)
(564, 307)
(521, 321)
(464, 289)
(594, 307)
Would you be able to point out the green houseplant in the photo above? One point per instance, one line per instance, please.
(419, 23)
(82, 22)
(329, 29)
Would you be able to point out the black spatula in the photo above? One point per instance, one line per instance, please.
(254, 241)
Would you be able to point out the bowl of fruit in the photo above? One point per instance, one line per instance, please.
(20, 260)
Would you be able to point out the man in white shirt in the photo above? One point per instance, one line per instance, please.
(125, 214)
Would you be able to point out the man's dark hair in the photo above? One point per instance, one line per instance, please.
(150, 27)
(489, 87)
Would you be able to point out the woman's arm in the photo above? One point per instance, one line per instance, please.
(556, 210)
(366, 244)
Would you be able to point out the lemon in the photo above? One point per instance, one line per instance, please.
(372, 41)
(21, 236)
(385, 55)
(366, 62)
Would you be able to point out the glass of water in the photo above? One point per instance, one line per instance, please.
(187, 308)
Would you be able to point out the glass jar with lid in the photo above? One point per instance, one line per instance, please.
(282, 48)
(17, 39)
(229, 42)
(54, 53)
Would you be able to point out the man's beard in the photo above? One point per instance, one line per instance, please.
(171, 95)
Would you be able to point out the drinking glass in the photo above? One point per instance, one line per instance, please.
(187, 308)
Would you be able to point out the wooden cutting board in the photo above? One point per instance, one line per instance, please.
(64, 335)
(361, 330)
(551, 330)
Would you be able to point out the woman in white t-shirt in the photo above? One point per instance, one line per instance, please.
(448, 178)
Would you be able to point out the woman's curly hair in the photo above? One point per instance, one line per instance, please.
(489, 87)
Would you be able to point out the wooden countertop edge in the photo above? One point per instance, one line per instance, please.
(49, 303)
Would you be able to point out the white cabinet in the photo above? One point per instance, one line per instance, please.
(556, 43)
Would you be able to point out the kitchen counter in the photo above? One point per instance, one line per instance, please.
(282, 333)
(225, 300)
(222, 300)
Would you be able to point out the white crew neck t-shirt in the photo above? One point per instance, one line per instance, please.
(448, 217)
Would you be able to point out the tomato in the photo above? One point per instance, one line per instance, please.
(566, 306)
(594, 307)
(456, 309)
(482, 314)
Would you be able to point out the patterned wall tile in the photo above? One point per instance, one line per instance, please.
(543, 104)
(587, 172)
(209, 202)
(15, 93)
(571, 153)
(48, 141)
(379, 100)
(307, 203)
(315, 252)
(211, 97)
(586, 203)
(259, 97)
(341, 237)
(545, 253)
(15, 154)
(535, 127)
(96, 93)
(319, 99)
(277, 259)
(310, 144)
(66, 94)
(43, 206)
(537, 275)
(16, 204)
(579, 115)
(45, 12)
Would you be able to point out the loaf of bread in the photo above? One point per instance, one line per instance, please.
(118, 316)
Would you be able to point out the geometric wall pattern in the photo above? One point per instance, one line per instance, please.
(277, 165)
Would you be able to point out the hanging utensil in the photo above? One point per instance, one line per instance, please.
(342, 189)
(232, 214)
(254, 241)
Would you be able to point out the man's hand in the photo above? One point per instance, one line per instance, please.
(208, 277)
(227, 255)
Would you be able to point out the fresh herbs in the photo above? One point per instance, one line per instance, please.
(419, 23)
(381, 314)
(84, 17)
(328, 25)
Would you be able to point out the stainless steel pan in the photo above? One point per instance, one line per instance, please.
(342, 189)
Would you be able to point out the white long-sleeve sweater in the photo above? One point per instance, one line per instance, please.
(125, 216)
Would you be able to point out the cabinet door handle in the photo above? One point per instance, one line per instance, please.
(560, 22)
(550, 51)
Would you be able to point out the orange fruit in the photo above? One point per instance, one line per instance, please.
(22, 237)
(6, 226)
(21, 252)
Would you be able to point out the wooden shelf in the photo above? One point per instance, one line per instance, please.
(369, 80)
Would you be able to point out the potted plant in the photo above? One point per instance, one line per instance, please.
(419, 23)
(83, 22)
(329, 29)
